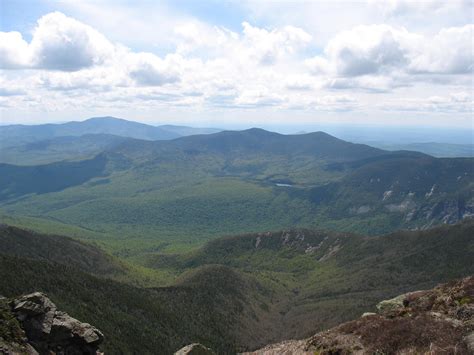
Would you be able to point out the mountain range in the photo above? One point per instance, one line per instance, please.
(233, 239)
(178, 193)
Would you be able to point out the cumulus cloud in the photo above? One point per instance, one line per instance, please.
(73, 65)
(451, 51)
(367, 50)
(62, 43)
(364, 50)
(14, 51)
(58, 43)
(267, 46)
(254, 45)
(379, 58)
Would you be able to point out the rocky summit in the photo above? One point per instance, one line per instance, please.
(32, 324)
(437, 321)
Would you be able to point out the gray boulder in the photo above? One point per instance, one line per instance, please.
(51, 331)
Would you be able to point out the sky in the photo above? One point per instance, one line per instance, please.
(242, 63)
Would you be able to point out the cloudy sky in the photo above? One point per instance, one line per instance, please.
(393, 62)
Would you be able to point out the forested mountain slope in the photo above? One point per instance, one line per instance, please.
(239, 293)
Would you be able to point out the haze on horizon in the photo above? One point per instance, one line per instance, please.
(239, 63)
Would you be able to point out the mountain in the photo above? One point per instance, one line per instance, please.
(14, 135)
(179, 193)
(240, 293)
(429, 321)
(259, 141)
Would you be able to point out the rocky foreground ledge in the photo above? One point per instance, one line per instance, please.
(32, 324)
(437, 321)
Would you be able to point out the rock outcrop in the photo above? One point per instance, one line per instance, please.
(195, 349)
(32, 324)
(437, 321)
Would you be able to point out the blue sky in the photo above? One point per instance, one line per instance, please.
(393, 62)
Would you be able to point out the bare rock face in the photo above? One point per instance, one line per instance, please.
(195, 349)
(45, 330)
(437, 321)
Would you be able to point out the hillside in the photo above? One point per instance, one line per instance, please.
(18, 181)
(241, 293)
(21, 243)
(325, 278)
(421, 190)
(147, 321)
(59, 148)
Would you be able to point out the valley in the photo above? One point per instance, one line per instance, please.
(176, 194)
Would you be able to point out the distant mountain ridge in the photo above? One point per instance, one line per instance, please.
(439, 150)
(13, 134)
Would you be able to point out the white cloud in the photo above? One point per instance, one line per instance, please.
(258, 97)
(367, 50)
(379, 58)
(71, 65)
(14, 51)
(451, 51)
(149, 70)
(335, 103)
(62, 43)
(266, 47)
(458, 102)
(59, 43)
(254, 45)
(410, 7)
